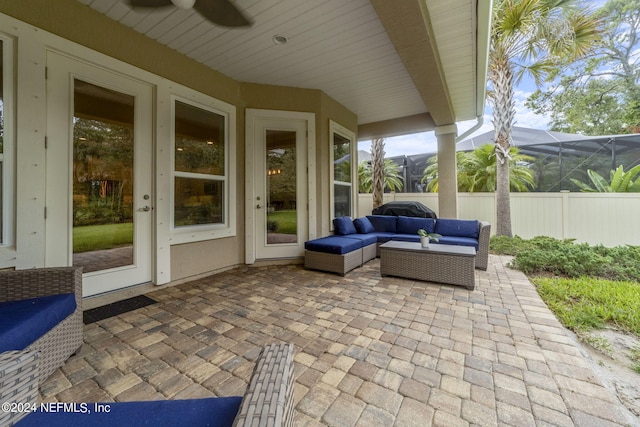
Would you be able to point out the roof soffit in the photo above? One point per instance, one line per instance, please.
(406, 23)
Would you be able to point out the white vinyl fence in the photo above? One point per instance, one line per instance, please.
(609, 219)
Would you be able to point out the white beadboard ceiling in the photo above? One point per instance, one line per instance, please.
(337, 46)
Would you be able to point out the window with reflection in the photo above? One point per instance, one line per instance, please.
(200, 181)
(342, 175)
(1, 140)
(7, 190)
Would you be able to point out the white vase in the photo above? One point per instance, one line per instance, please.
(424, 241)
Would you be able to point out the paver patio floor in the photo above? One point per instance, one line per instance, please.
(369, 350)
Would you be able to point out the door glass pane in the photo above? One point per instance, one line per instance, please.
(282, 217)
(1, 139)
(102, 177)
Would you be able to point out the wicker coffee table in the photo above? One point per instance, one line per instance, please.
(449, 264)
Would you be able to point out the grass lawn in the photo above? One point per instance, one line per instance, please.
(586, 303)
(96, 237)
(587, 287)
(286, 221)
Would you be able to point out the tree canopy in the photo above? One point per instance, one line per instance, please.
(477, 171)
(600, 94)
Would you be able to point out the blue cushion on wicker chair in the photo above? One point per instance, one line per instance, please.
(24, 321)
(213, 412)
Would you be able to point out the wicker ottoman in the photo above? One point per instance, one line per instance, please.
(449, 264)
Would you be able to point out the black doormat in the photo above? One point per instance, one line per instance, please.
(113, 309)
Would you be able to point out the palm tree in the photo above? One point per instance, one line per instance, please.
(392, 179)
(377, 171)
(534, 36)
(477, 171)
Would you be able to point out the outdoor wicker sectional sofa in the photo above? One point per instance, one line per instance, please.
(357, 241)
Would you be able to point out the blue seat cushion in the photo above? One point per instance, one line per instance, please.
(384, 223)
(363, 225)
(343, 226)
(457, 228)
(213, 412)
(459, 241)
(409, 225)
(366, 239)
(382, 236)
(333, 245)
(406, 237)
(24, 321)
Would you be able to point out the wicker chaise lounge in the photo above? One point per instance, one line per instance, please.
(267, 402)
(65, 338)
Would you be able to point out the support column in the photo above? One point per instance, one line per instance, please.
(447, 171)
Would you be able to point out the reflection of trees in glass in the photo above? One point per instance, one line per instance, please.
(1, 124)
(102, 172)
(198, 156)
(341, 159)
(282, 180)
(1, 105)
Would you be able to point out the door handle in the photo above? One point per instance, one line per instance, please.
(145, 209)
(258, 206)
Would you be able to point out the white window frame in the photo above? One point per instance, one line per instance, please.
(194, 233)
(335, 128)
(7, 158)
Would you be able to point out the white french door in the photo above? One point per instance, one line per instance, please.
(99, 174)
(277, 201)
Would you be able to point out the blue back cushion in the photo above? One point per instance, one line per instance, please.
(409, 225)
(212, 412)
(24, 321)
(343, 226)
(384, 223)
(363, 225)
(457, 228)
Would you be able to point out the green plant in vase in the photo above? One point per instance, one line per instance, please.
(425, 237)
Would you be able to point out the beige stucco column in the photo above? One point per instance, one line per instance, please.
(447, 171)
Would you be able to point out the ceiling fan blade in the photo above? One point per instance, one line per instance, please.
(149, 3)
(221, 12)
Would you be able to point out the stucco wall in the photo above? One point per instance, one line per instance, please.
(74, 21)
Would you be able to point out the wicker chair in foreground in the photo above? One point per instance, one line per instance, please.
(268, 401)
(42, 311)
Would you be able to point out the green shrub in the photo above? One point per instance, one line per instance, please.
(503, 245)
(542, 255)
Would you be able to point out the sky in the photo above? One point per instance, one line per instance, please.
(425, 142)
(420, 143)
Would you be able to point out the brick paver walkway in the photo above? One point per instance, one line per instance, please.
(369, 350)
